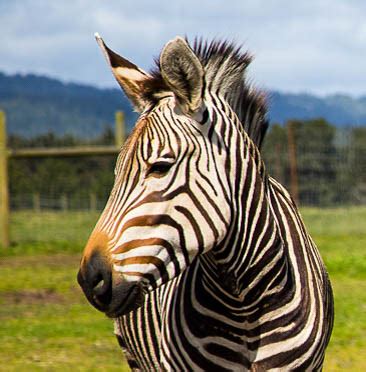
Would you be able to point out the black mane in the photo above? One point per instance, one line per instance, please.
(224, 64)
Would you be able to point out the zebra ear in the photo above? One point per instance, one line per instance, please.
(130, 77)
(183, 73)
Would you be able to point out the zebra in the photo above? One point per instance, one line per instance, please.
(200, 257)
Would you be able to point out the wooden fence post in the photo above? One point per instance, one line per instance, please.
(36, 202)
(292, 157)
(93, 201)
(64, 202)
(120, 132)
(278, 163)
(4, 190)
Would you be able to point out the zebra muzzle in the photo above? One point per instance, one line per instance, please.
(113, 297)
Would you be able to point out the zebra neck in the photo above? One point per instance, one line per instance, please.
(252, 260)
(258, 270)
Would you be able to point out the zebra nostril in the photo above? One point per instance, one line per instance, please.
(96, 281)
(103, 285)
(102, 295)
(99, 287)
(102, 288)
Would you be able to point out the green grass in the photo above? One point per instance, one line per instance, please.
(341, 237)
(340, 234)
(48, 232)
(45, 320)
(46, 323)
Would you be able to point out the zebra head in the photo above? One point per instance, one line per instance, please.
(175, 175)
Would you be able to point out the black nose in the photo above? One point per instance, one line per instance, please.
(95, 279)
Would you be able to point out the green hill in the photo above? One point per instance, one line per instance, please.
(38, 104)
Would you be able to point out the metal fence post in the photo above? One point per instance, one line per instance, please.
(120, 132)
(4, 191)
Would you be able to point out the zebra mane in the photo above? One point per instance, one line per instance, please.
(224, 65)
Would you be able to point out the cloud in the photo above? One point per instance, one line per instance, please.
(309, 46)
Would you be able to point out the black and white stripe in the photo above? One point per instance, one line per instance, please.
(226, 274)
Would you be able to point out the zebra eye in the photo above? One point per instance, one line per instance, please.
(159, 169)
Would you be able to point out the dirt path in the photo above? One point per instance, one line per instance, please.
(51, 260)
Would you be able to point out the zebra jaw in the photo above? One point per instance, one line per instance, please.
(125, 298)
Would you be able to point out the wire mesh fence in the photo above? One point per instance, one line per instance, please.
(327, 166)
(59, 199)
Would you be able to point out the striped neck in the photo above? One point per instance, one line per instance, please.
(253, 245)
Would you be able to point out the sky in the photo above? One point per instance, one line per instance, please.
(313, 46)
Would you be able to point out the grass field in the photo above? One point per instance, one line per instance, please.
(46, 324)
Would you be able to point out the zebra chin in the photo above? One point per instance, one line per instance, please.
(126, 297)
